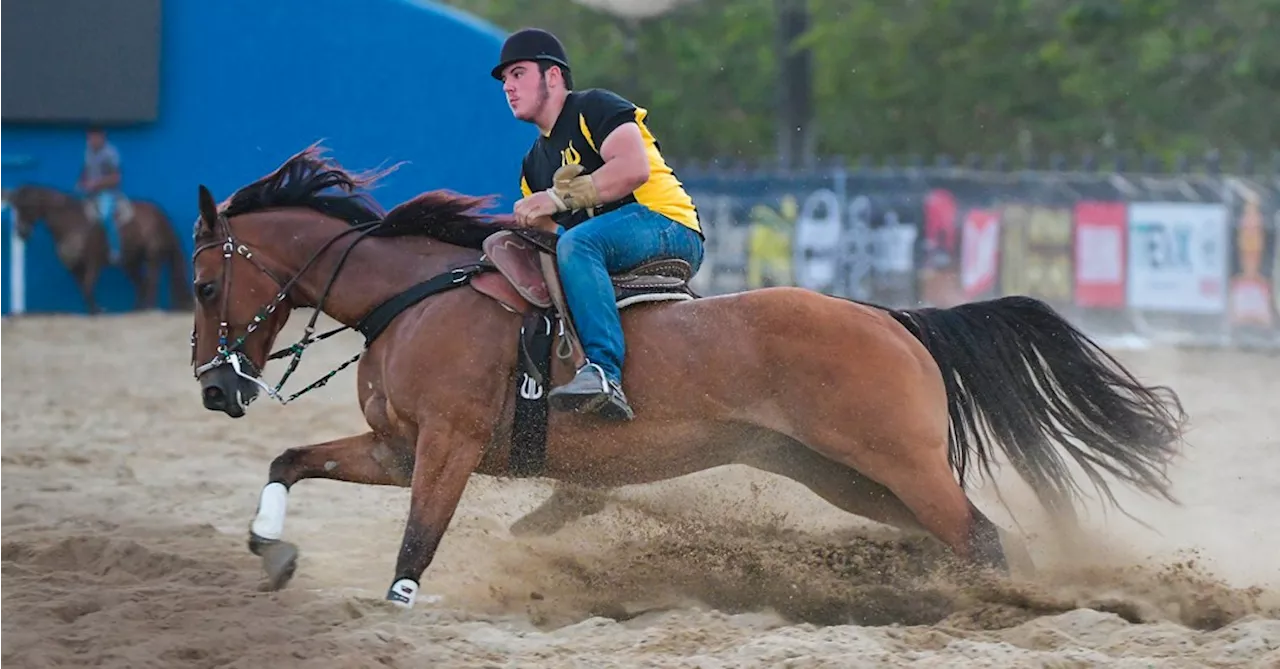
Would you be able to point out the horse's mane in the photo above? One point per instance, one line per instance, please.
(444, 215)
(303, 179)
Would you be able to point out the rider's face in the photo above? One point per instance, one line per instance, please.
(525, 88)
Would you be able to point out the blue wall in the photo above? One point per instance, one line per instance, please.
(246, 84)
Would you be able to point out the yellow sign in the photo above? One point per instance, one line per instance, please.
(769, 244)
(1036, 254)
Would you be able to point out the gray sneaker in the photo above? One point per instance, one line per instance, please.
(590, 392)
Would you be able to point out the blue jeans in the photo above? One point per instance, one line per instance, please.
(106, 203)
(612, 242)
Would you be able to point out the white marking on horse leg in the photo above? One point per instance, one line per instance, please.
(269, 523)
(404, 593)
(330, 465)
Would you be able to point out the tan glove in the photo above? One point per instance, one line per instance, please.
(572, 189)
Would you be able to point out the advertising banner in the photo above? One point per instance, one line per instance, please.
(979, 253)
(1250, 291)
(1178, 257)
(1036, 255)
(1100, 234)
(1169, 259)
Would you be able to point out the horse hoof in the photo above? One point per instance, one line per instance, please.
(402, 593)
(280, 561)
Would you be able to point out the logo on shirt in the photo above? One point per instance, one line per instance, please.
(570, 156)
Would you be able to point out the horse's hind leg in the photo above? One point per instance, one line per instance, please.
(852, 491)
(134, 269)
(568, 502)
(923, 480)
(155, 265)
(364, 458)
(843, 487)
(87, 280)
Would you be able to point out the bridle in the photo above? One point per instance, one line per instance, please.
(232, 353)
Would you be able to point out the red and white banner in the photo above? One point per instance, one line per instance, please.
(979, 252)
(1100, 254)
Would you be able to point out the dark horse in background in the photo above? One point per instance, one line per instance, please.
(878, 411)
(148, 244)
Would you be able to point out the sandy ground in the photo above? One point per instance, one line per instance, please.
(126, 505)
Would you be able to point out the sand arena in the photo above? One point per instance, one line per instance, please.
(126, 507)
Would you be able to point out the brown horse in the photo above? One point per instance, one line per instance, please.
(878, 411)
(148, 244)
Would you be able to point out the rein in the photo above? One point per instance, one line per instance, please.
(231, 354)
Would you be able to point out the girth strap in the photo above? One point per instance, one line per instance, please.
(533, 380)
(380, 318)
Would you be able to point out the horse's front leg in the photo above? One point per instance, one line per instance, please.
(445, 461)
(364, 458)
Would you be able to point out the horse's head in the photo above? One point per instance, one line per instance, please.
(29, 204)
(282, 241)
(237, 295)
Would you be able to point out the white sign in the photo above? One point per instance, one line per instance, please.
(815, 248)
(17, 264)
(1099, 254)
(835, 246)
(1178, 255)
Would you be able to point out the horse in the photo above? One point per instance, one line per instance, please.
(148, 243)
(881, 412)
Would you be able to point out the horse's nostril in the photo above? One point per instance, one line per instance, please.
(214, 397)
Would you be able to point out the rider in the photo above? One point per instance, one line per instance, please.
(595, 168)
(100, 182)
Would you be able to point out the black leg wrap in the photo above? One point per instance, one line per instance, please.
(984, 542)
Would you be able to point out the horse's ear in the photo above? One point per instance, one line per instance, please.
(208, 208)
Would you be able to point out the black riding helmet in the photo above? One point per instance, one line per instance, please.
(531, 44)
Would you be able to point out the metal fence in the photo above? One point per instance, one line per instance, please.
(1190, 259)
(1187, 259)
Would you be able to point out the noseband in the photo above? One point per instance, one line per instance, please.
(232, 353)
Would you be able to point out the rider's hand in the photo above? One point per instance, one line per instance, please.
(531, 208)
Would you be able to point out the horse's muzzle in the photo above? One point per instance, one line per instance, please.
(224, 390)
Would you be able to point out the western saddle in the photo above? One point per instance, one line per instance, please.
(528, 278)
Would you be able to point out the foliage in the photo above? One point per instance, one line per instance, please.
(953, 76)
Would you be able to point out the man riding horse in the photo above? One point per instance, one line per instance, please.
(596, 171)
(99, 180)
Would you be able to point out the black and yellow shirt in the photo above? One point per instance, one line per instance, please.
(587, 118)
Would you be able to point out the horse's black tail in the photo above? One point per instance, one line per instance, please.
(1018, 373)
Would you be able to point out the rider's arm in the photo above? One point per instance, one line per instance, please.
(610, 121)
(626, 163)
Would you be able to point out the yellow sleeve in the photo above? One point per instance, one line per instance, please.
(524, 187)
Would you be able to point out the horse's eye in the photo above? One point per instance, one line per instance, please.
(206, 290)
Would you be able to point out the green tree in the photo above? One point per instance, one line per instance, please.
(954, 76)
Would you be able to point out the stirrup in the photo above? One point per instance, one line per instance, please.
(607, 398)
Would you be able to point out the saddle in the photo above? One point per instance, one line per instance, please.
(121, 214)
(528, 279)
